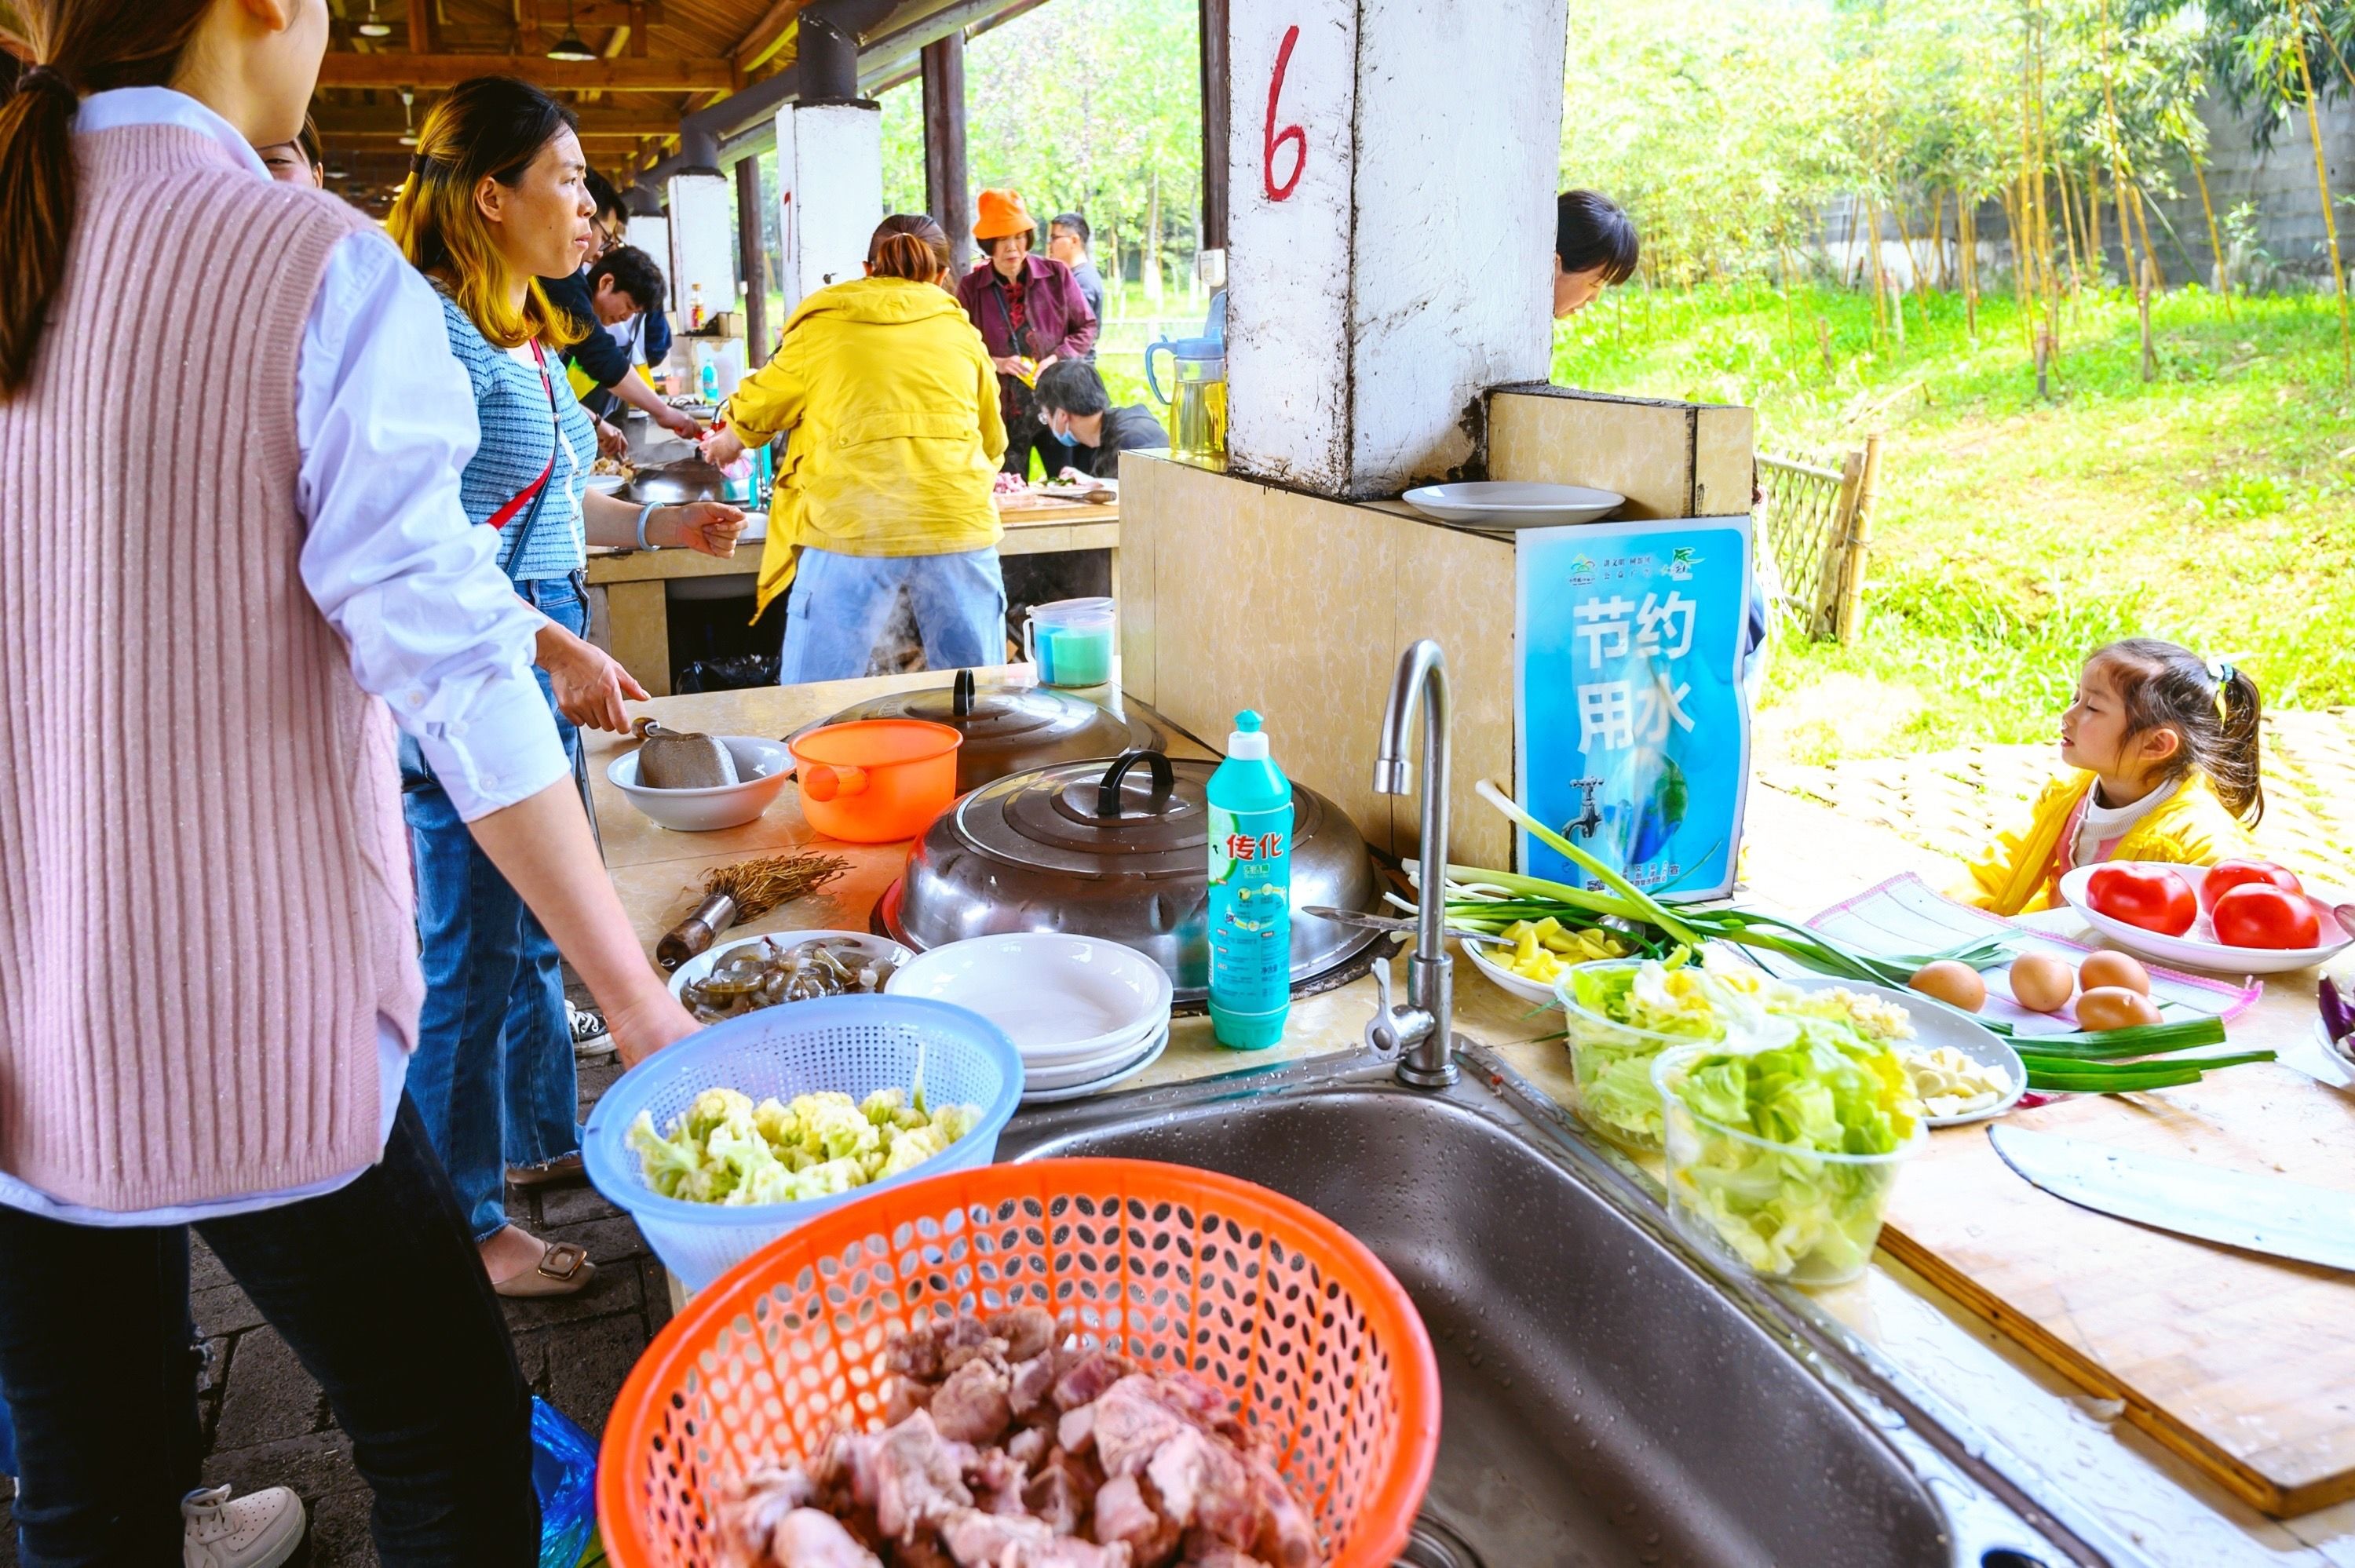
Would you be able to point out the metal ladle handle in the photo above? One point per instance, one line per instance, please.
(1165, 780)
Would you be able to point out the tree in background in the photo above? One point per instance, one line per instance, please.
(1087, 106)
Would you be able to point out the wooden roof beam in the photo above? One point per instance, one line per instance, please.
(623, 75)
(766, 35)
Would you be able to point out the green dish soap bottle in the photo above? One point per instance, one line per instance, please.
(1250, 893)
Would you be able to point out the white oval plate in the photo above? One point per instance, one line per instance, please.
(1513, 503)
(1936, 1025)
(2197, 948)
(1059, 996)
(1120, 1075)
(702, 964)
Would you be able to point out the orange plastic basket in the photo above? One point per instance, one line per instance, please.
(1311, 1337)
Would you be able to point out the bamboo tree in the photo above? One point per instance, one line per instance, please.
(1967, 225)
(2222, 282)
(2322, 184)
(2068, 233)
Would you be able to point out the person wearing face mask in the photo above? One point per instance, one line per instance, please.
(1078, 413)
(1029, 312)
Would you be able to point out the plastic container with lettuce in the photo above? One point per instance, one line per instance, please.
(1622, 1015)
(726, 1149)
(1783, 1157)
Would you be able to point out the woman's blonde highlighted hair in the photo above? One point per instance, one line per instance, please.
(489, 127)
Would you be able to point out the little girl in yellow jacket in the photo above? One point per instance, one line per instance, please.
(2163, 749)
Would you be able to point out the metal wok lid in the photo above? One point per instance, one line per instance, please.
(1011, 730)
(1120, 852)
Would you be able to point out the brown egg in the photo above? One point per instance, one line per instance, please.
(2114, 1007)
(1956, 984)
(2107, 968)
(2042, 983)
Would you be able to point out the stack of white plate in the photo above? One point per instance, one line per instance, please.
(1085, 1014)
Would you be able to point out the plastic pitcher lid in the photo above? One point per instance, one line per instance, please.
(1247, 744)
(1087, 612)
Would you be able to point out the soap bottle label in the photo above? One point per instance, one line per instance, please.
(1251, 891)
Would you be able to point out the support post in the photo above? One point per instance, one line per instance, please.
(700, 245)
(1859, 543)
(830, 166)
(1217, 97)
(948, 186)
(751, 262)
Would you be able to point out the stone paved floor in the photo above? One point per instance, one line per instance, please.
(266, 1424)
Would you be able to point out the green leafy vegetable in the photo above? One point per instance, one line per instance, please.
(726, 1149)
(1786, 1155)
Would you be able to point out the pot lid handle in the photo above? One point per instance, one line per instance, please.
(1165, 780)
(960, 695)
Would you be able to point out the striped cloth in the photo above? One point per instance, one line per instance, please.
(511, 407)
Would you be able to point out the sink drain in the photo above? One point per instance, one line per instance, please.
(1432, 1544)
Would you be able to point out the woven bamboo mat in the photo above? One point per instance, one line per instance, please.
(1954, 802)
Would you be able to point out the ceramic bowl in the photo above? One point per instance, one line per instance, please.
(761, 768)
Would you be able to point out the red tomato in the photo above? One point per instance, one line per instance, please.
(2259, 915)
(2154, 897)
(2228, 874)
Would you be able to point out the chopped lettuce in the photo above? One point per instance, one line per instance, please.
(1635, 1010)
(1771, 1196)
(726, 1149)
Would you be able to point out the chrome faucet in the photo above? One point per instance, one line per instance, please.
(1423, 1031)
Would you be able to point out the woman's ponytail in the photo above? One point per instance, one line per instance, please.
(79, 46)
(908, 245)
(2238, 767)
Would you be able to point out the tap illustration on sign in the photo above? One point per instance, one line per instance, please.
(1590, 816)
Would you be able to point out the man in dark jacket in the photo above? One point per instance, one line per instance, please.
(1030, 314)
(599, 356)
(1067, 241)
(1078, 413)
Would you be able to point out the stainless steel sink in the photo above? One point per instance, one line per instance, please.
(1608, 1399)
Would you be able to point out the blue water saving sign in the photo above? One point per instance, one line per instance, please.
(1632, 728)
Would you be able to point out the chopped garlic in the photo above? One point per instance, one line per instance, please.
(1948, 1083)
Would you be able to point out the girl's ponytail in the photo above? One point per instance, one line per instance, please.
(2235, 769)
(78, 46)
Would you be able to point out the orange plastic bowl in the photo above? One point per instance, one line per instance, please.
(1312, 1339)
(875, 781)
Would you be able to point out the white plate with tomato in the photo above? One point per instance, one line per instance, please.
(2238, 917)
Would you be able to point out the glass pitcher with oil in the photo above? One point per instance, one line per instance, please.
(1197, 397)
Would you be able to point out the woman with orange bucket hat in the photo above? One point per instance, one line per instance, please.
(1030, 312)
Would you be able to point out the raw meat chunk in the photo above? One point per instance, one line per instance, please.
(917, 1479)
(1084, 1380)
(972, 1405)
(1028, 1332)
(1131, 1422)
(1033, 1384)
(1124, 1515)
(808, 1538)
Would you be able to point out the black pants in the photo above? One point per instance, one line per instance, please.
(380, 1293)
(1019, 404)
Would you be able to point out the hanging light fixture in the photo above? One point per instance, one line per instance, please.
(407, 124)
(570, 47)
(375, 26)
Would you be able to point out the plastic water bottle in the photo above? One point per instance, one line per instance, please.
(1250, 893)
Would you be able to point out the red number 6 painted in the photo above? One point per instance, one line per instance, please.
(1292, 133)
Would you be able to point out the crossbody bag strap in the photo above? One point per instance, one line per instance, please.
(536, 495)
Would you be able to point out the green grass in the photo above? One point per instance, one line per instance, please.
(2214, 505)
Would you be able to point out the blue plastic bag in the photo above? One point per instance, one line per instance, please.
(564, 1474)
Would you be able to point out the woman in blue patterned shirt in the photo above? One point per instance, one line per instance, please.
(495, 198)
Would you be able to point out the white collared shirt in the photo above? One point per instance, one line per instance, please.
(384, 421)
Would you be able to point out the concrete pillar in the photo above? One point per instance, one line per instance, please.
(948, 186)
(702, 247)
(830, 172)
(1391, 179)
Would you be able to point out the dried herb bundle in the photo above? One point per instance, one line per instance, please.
(758, 886)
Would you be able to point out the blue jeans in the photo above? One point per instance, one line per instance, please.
(377, 1290)
(492, 1076)
(842, 605)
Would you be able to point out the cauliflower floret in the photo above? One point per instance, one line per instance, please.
(883, 1107)
(825, 1181)
(713, 1107)
(670, 1166)
(776, 1122)
(911, 1149)
(953, 1121)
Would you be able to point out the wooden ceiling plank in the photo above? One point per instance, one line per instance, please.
(627, 75)
(767, 35)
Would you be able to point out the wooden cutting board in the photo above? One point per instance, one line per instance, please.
(2242, 1363)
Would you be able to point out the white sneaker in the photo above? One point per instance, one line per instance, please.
(591, 1041)
(260, 1530)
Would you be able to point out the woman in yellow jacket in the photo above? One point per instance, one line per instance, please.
(2163, 746)
(888, 403)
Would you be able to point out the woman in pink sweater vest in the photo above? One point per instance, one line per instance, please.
(201, 731)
